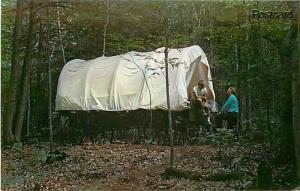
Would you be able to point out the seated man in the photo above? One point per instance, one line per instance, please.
(200, 101)
(229, 111)
(200, 94)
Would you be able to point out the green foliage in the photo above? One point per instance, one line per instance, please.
(18, 148)
(178, 173)
(242, 51)
(224, 136)
(221, 136)
(219, 176)
(13, 180)
(55, 156)
(224, 176)
(40, 155)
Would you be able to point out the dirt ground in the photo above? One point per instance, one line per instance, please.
(124, 167)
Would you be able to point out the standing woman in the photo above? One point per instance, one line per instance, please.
(229, 111)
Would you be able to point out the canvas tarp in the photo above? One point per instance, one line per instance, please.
(133, 80)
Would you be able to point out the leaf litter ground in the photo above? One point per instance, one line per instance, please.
(127, 167)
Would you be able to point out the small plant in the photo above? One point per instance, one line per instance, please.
(223, 176)
(178, 173)
(18, 148)
(39, 155)
(221, 138)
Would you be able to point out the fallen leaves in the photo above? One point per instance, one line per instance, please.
(126, 167)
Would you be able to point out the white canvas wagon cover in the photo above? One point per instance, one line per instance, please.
(133, 80)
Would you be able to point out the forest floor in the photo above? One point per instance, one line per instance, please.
(130, 167)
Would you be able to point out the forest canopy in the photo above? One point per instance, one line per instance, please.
(248, 46)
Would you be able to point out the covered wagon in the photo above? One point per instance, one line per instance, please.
(134, 82)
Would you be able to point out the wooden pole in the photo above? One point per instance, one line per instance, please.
(171, 131)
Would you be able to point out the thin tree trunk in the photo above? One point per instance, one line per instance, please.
(28, 111)
(249, 110)
(247, 93)
(60, 35)
(198, 14)
(211, 27)
(105, 29)
(198, 18)
(237, 52)
(49, 55)
(259, 48)
(26, 72)
(8, 137)
(50, 102)
(249, 102)
(171, 131)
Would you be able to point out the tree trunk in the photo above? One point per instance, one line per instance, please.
(211, 27)
(26, 72)
(237, 52)
(296, 87)
(60, 35)
(297, 114)
(171, 131)
(170, 121)
(105, 28)
(49, 55)
(291, 56)
(247, 86)
(28, 113)
(14, 78)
